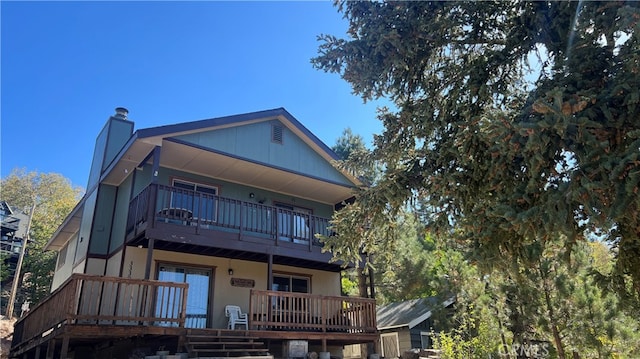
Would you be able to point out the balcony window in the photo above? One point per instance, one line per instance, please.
(293, 223)
(197, 198)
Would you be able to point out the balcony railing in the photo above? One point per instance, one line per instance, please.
(98, 300)
(202, 210)
(103, 301)
(273, 310)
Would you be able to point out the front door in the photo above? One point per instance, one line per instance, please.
(199, 280)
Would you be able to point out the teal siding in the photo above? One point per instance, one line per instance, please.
(120, 215)
(112, 138)
(253, 142)
(119, 133)
(85, 226)
(142, 179)
(98, 155)
(103, 220)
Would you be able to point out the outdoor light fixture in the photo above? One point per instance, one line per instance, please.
(230, 271)
(252, 195)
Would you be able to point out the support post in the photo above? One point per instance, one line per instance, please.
(269, 271)
(147, 267)
(51, 346)
(65, 347)
(17, 273)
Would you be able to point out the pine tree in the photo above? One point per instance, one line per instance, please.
(516, 122)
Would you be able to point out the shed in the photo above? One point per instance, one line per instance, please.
(406, 325)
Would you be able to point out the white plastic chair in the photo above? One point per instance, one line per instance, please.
(235, 316)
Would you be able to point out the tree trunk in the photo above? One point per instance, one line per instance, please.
(552, 318)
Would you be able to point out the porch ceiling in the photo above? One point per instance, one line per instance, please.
(232, 169)
(210, 164)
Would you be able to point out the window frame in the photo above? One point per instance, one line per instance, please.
(292, 276)
(184, 184)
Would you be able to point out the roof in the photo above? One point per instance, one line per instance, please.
(408, 313)
(142, 141)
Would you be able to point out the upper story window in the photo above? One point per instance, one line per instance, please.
(62, 256)
(199, 199)
(293, 223)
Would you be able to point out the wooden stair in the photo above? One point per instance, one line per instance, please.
(225, 345)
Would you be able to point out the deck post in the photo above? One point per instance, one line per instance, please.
(51, 346)
(65, 347)
(147, 268)
(37, 352)
(269, 271)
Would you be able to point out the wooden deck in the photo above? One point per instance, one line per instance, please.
(93, 309)
(167, 204)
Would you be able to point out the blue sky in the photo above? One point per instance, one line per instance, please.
(65, 66)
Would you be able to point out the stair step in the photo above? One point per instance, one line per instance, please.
(223, 344)
(217, 337)
(231, 350)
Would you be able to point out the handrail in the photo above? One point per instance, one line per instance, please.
(100, 300)
(308, 312)
(202, 210)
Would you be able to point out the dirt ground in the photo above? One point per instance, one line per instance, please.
(6, 331)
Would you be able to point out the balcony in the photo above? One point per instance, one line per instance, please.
(95, 308)
(159, 204)
(86, 301)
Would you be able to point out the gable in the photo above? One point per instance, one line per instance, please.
(255, 142)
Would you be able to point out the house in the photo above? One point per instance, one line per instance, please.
(407, 325)
(180, 221)
(13, 230)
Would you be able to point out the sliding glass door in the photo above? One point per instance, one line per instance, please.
(199, 280)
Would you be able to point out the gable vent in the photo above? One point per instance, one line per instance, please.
(276, 133)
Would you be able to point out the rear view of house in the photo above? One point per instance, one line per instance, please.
(179, 223)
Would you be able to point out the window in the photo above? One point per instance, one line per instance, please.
(293, 223)
(291, 283)
(62, 256)
(425, 340)
(202, 203)
(288, 283)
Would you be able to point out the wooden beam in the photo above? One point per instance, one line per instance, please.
(270, 271)
(65, 347)
(51, 346)
(147, 268)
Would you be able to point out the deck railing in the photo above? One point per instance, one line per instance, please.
(98, 300)
(274, 310)
(203, 210)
